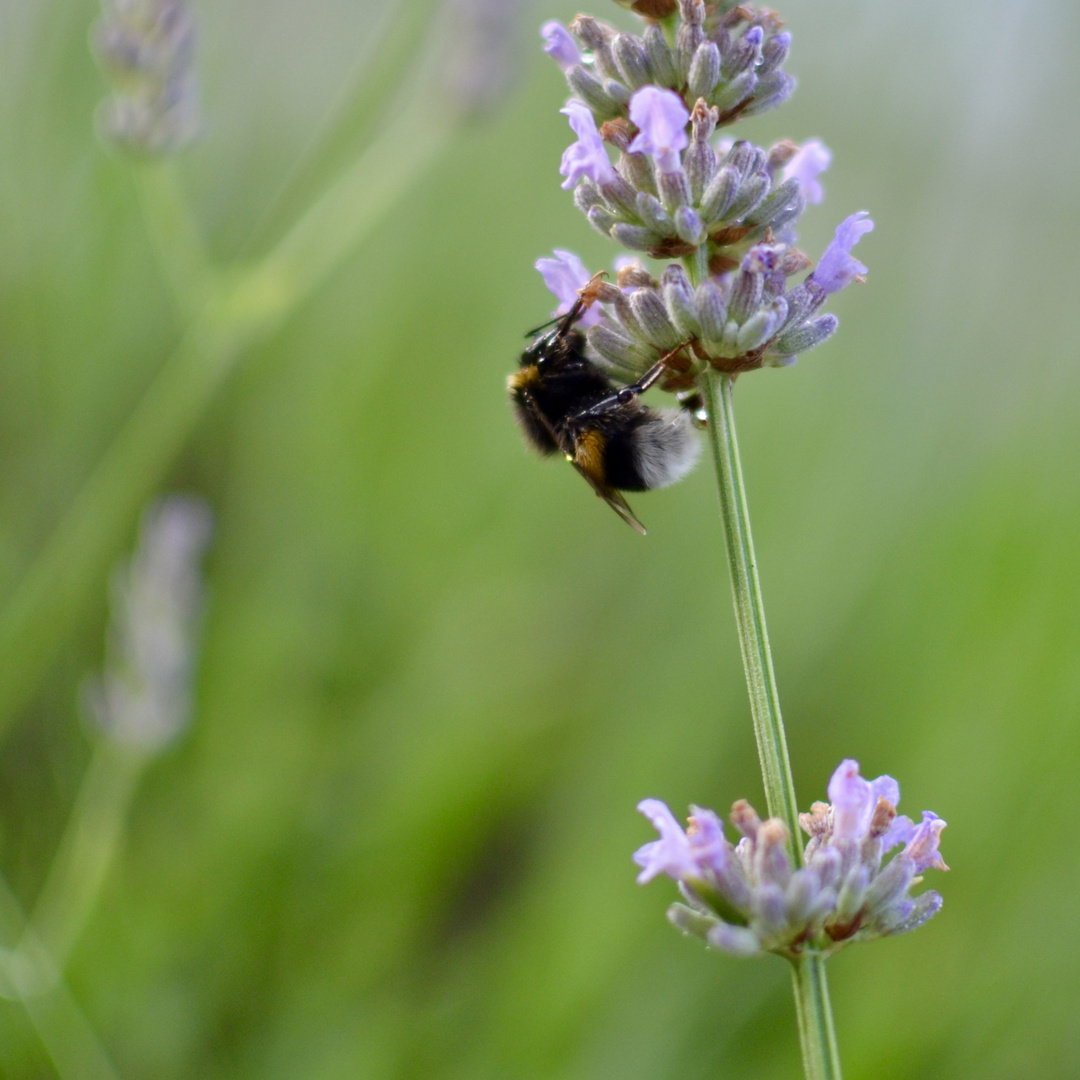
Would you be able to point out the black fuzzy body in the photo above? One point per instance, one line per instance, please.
(566, 404)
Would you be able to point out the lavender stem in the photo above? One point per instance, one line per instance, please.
(817, 1036)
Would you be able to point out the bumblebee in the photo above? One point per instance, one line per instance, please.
(566, 403)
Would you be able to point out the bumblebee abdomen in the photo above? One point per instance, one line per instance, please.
(656, 448)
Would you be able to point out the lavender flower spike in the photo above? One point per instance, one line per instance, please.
(752, 898)
(587, 156)
(809, 161)
(564, 275)
(144, 696)
(837, 267)
(559, 45)
(661, 118)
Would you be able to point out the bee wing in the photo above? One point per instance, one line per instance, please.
(612, 497)
(616, 501)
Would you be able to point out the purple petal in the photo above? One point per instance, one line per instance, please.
(852, 802)
(670, 854)
(809, 161)
(885, 787)
(923, 845)
(837, 268)
(564, 275)
(559, 44)
(708, 844)
(587, 156)
(661, 118)
(899, 832)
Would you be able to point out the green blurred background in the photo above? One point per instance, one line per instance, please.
(437, 674)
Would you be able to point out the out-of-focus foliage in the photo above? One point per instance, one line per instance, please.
(438, 674)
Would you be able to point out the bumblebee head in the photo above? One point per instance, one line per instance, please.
(556, 346)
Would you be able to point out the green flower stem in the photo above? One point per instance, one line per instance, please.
(90, 841)
(29, 975)
(174, 236)
(817, 1037)
(246, 307)
(749, 607)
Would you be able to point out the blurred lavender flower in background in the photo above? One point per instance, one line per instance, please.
(144, 695)
(807, 163)
(480, 38)
(147, 50)
(748, 898)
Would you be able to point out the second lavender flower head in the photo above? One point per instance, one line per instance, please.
(748, 897)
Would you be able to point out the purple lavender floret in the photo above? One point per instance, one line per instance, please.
(560, 45)
(837, 267)
(661, 118)
(564, 275)
(586, 157)
(752, 898)
(807, 164)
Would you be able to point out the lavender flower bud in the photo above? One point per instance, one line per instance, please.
(700, 158)
(636, 171)
(653, 214)
(774, 53)
(674, 188)
(711, 309)
(587, 195)
(631, 59)
(771, 90)
(618, 92)
(601, 219)
(779, 207)
(925, 907)
(144, 696)
(661, 62)
(743, 54)
(729, 97)
(720, 193)
(653, 318)
(739, 940)
(688, 226)
(597, 37)
(745, 293)
(704, 70)
(617, 350)
(756, 330)
(751, 195)
(591, 90)
(634, 237)
(689, 921)
(679, 299)
(688, 36)
(806, 336)
(618, 194)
